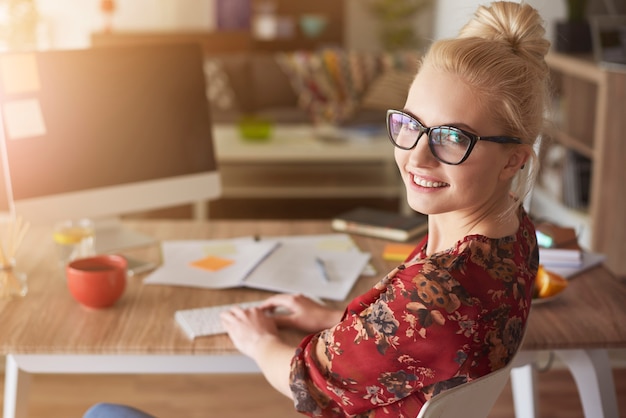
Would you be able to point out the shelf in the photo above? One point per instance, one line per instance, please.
(579, 66)
(575, 144)
(590, 121)
(328, 180)
(211, 42)
(226, 41)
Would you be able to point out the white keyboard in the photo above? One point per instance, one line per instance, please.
(200, 322)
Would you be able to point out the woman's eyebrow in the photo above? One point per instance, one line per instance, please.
(459, 125)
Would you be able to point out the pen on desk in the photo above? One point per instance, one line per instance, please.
(322, 266)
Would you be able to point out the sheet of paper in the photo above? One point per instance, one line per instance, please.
(292, 268)
(589, 260)
(215, 264)
(23, 119)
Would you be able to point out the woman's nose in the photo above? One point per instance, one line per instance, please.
(421, 154)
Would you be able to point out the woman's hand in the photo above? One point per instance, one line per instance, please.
(247, 328)
(300, 312)
(255, 334)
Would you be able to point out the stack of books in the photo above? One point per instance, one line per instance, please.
(560, 253)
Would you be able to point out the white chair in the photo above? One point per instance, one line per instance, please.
(468, 400)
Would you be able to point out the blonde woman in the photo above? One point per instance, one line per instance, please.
(456, 309)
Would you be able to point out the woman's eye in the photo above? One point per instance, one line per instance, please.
(454, 137)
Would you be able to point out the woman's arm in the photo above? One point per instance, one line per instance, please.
(255, 334)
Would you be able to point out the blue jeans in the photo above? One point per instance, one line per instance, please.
(110, 410)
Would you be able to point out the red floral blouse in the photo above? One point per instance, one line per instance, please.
(431, 324)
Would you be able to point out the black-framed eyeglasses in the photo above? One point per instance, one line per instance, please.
(448, 144)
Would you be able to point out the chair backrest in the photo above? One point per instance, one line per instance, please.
(469, 400)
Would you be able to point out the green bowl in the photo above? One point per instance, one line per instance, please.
(254, 129)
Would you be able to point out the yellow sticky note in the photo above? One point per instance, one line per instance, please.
(397, 252)
(335, 245)
(220, 249)
(212, 263)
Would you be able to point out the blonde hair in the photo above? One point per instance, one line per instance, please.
(500, 54)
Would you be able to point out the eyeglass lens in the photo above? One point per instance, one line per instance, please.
(447, 143)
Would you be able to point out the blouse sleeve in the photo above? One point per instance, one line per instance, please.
(394, 347)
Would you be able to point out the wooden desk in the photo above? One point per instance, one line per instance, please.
(48, 332)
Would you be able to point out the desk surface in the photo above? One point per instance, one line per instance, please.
(590, 314)
(299, 143)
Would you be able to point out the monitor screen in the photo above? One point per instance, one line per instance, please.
(102, 132)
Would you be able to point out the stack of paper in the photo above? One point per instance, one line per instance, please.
(568, 262)
(560, 257)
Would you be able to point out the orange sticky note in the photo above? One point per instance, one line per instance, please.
(397, 252)
(212, 263)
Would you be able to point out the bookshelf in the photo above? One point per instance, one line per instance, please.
(242, 40)
(590, 120)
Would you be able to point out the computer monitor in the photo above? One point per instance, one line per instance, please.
(98, 133)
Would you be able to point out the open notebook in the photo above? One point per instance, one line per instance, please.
(325, 266)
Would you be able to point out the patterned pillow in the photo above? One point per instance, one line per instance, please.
(331, 83)
(218, 89)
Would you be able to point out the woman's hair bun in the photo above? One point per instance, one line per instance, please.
(518, 25)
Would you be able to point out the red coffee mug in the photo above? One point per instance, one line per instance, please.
(97, 282)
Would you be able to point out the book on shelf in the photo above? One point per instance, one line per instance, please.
(576, 180)
(381, 224)
(566, 175)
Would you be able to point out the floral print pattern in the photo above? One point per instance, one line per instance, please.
(431, 324)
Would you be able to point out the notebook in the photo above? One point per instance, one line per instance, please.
(290, 264)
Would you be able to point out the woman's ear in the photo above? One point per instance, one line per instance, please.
(517, 160)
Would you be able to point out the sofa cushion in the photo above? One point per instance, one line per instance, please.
(237, 67)
(218, 86)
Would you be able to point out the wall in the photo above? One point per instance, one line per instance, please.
(68, 23)
(452, 14)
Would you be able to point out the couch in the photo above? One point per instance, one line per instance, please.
(328, 86)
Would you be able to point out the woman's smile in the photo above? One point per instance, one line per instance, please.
(428, 183)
